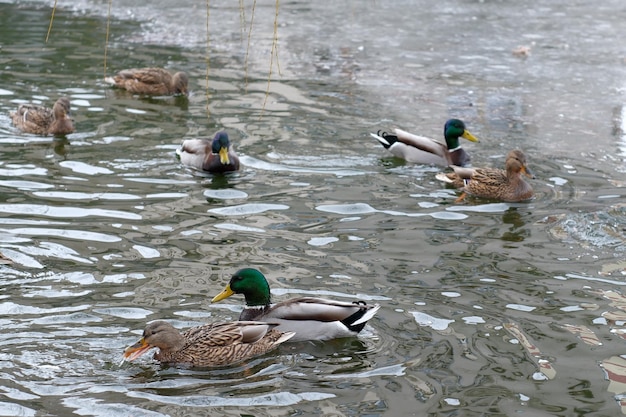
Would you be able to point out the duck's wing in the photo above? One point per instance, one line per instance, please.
(489, 177)
(226, 343)
(322, 310)
(464, 173)
(213, 335)
(317, 319)
(422, 142)
(414, 148)
(31, 118)
(194, 153)
(195, 146)
(146, 75)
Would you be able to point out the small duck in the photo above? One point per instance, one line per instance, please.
(310, 318)
(423, 150)
(493, 183)
(41, 120)
(210, 345)
(150, 81)
(216, 156)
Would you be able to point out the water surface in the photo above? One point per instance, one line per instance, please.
(487, 308)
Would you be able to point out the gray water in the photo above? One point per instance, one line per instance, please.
(487, 309)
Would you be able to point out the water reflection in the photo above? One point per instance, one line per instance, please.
(486, 307)
(516, 233)
(218, 182)
(60, 146)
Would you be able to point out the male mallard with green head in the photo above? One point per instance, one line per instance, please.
(423, 150)
(504, 185)
(210, 345)
(150, 81)
(215, 156)
(41, 120)
(310, 318)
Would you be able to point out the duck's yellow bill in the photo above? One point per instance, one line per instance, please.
(227, 292)
(467, 135)
(224, 159)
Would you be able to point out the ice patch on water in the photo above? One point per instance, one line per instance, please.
(246, 209)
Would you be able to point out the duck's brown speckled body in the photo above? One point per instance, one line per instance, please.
(497, 184)
(41, 120)
(210, 345)
(150, 81)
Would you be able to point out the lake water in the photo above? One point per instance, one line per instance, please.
(487, 308)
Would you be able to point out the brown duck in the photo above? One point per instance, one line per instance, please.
(150, 81)
(41, 120)
(493, 183)
(210, 345)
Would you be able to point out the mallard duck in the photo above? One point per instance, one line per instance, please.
(150, 81)
(423, 150)
(310, 318)
(215, 156)
(493, 183)
(41, 120)
(210, 345)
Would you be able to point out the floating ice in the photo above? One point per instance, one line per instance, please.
(424, 319)
(321, 241)
(245, 209)
(227, 194)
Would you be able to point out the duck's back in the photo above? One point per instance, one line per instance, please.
(154, 81)
(33, 119)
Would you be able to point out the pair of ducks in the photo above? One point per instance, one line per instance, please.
(506, 185)
(41, 120)
(215, 156)
(211, 155)
(261, 327)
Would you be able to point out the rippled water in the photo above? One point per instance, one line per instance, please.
(487, 308)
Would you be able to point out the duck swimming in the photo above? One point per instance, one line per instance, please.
(40, 120)
(310, 318)
(210, 345)
(504, 185)
(423, 150)
(215, 156)
(150, 81)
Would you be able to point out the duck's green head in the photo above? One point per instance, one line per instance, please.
(251, 283)
(220, 145)
(455, 129)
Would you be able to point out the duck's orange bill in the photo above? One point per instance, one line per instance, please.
(133, 352)
(528, 172)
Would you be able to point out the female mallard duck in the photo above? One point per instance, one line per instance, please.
(422, 150)
(150, 81)
(310, 318)
(215, 156)
(210, 345)
(40, 120)
(493, 183)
